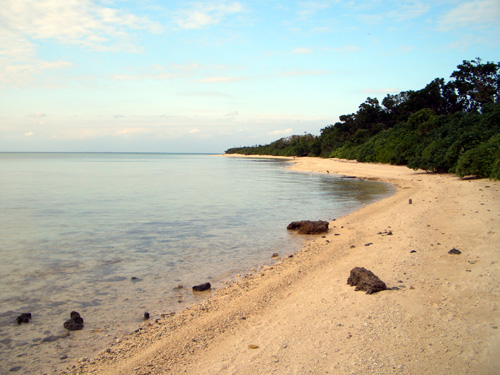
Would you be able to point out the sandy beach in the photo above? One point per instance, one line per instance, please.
(299, 316)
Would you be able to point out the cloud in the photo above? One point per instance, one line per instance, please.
(232, 114)
(281, 132)
(401, 12)
(310, 8)
(344, 49)
(29, 134)
(86, 23)
(81, 22)
(302, 51)
(220, 79)
(207, 94)
(471, 13)
(37, 115)
(194, 131)
(154, 72)
(298, 73)
(130, 132)
(409, 11)
(203, 14)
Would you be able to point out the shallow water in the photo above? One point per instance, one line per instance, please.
(76, 228)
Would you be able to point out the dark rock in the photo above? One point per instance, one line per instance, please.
(309, 227)
(202, 287)
(454, 251)
(366, 280)
(275, 255)
(75, 322)
(146, 315)
(15, 368)
(413, 251)
(23, 318)
(369, 244)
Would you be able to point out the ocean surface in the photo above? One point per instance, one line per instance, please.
(111, 235)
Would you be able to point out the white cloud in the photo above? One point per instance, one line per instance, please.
(409, 11)
(37, 115)
(302, 51)
(130, 132)
(194, 131)
(310, 8)
(82, 22)
(476, 12)
(220, 79)
(153, 72)
(299, 73)
(401, 11)
(344, 49)
(23, 23)
(206, 14)
(281, 132)
(29, 134)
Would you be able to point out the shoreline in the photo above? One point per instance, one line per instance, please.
(440, 316)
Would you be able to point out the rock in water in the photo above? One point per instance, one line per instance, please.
(366, 280)
(75, 322)
(309, 227)
(202, 287)
(23, 318)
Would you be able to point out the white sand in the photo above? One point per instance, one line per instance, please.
(303, 317)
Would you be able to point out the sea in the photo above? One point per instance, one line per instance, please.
(115, 235)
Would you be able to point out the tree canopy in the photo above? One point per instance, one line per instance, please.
(448, 126)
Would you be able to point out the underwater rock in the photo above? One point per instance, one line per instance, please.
(75, 322)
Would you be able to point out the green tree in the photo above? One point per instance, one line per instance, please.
(476, 84)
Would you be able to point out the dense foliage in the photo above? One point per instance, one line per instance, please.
(449, 126)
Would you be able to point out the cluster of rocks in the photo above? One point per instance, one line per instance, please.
(75, 322)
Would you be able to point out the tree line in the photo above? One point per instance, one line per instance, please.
(448, 126)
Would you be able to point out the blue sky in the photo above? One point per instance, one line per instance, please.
(203, 76)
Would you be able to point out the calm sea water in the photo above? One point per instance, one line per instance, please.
(76, 228)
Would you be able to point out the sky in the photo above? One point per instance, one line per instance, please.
(204, 76)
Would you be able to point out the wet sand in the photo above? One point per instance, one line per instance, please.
(440, 316)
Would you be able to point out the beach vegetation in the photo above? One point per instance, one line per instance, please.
(448, 126)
